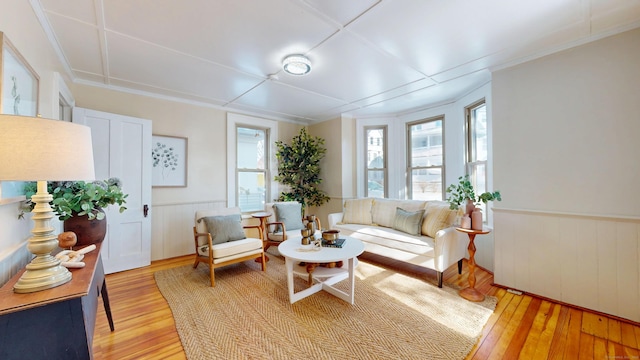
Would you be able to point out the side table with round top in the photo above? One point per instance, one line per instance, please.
(262, 216)
(470, 293)
(322, 278)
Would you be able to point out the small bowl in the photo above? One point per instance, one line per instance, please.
(330, 235)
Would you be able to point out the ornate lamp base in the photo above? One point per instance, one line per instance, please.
(44, 271)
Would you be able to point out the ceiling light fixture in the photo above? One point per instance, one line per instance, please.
(296, 65)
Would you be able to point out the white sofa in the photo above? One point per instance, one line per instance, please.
(383, 229)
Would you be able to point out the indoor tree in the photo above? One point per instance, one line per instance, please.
(299, 169)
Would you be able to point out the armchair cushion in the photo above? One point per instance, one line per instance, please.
(224, 228)
(409, 222)
(231, 248)
(289, 213)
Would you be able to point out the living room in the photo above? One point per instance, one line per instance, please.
(564, 156)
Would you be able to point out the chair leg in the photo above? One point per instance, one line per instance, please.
(264, 262)
(439, 279)
(212, 276)
(460, 266)
(195, 264)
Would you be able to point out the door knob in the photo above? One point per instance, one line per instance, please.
(145, 208)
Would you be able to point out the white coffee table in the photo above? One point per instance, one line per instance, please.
(322, 278)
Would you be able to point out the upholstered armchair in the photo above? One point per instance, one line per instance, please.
(220, 239)
(285, 221)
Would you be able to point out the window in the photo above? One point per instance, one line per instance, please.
(477, 149)
(425, 159)
(243, 154)
(252, 168)
(376, 161)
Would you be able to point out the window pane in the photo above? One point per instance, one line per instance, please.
(251, 148)
(375, 148)
(426, 144)
(426, 184)
(375, 183)
(478, 176)
(376, 169)
(478, 127)
(251, 191)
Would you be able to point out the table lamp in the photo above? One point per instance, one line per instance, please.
(36, 149)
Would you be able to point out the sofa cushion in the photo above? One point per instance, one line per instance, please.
(408, 221)
(289, 213)
(357, 211)
(384, 210)
(390, 239)
(224, 228)
(438, 217)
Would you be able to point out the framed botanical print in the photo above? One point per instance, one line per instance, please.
(169, 160)
(19, 94)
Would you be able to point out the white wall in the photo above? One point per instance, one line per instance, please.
(566, 158)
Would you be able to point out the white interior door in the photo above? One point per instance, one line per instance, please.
(122, 149)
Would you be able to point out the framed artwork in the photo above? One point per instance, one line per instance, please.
(169, 161)
(18, 96)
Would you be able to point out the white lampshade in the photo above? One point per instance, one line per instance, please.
(33, 149)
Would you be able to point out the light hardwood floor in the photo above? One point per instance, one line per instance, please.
(522, 327)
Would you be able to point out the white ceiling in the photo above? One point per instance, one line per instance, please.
(369, 58)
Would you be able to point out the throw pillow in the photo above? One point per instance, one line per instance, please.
(289, 213)
(225, 228)
(357, 211)
(438, 217)
(409, 222)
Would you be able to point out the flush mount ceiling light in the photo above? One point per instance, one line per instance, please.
(296, 64)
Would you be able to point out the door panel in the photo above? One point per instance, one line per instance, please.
(122, 148)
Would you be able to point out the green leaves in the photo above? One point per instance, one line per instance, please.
(462, 191)
(81, 198)
(299, 168)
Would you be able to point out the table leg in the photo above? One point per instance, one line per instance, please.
(107, 306)
(471, 293)
(352, 280)
(262, 228)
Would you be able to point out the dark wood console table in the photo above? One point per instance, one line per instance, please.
(56, 323)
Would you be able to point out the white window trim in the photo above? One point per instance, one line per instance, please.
(233, 120)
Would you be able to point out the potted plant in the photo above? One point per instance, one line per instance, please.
(463, 192)
(80, 205)
(299, 168)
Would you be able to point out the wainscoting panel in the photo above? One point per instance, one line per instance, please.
(589, 261)
(172, 228)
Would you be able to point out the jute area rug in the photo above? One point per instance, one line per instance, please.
(248, 316)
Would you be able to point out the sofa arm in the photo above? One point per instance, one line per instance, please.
(334, 219)
(451, 246)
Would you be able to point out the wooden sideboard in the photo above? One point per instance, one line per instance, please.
(56, 323)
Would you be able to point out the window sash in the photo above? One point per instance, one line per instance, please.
(252, 180)
(477, 149)
(425, 159)
(376, 174)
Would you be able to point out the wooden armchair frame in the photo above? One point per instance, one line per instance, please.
(209, 260)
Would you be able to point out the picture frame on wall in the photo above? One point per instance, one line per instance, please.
(20, 83)
(169, 161)
(18, 96)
